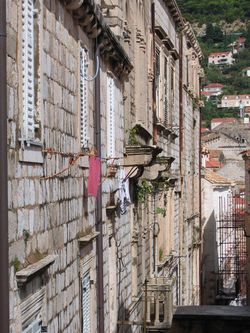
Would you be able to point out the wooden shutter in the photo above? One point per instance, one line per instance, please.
(165, 91)
(157, 80)
(28, 67)
(110, 117)
(83, 99)
(86, 303)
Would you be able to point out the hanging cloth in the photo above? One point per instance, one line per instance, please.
(124, 196)
(94, 175)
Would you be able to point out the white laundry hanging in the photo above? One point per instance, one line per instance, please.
(124, 196)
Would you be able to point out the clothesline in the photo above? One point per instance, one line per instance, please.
(51, 151)
(75, 156)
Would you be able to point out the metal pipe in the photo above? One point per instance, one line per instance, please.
(180, 99)
(99, 245)
(200, 211)
(4, 259)
(155, 132)
(180, 152)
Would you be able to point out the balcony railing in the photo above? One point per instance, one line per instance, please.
(158, 303)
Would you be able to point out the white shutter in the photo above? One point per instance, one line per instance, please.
(86, 303)
(28, 67)
(31, 309)
(110, 118)
(83, 99)
(34, 327)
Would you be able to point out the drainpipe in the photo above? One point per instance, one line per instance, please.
(181, 98)
(4, 260)
(180, 150)
(155, 134)
(200, 207)
(99, 243)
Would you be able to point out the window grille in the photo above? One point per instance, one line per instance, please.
(86, 303)
(83, 98)
(110, 117)
(28, 68)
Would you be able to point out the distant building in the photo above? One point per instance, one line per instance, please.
(212, 91)
(221, 58)
(214, 87)
(213, 164)
(218, 121)
(235, 101)
(246, 71)
(240, 43)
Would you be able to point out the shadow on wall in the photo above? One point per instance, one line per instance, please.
(209, 269)
(123, 315)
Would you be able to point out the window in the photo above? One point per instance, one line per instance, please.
(83, 98)
(165, 91)
(157, 79)
(86, 303)
(110, 117)
(28, 67)
(31, 312)
(187, 69)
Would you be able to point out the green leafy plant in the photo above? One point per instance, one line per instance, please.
(143, 190)
(16, 264)
(132, 137)
(160, 211)
(26, 235)
(160, 253)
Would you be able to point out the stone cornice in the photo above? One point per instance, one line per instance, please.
(175, 12)
(90, 18)
(187, 29)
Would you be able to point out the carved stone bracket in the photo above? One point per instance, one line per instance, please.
(90, 18)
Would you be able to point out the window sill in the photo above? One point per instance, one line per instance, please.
(31, 152)
(88, 238)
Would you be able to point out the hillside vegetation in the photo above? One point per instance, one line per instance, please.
(204, 11)
(231, 76)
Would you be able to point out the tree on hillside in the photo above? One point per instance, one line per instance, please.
(213, 34)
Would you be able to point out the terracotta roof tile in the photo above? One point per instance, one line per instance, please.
(215, 178)
(212, 164)
(224, 120)
(214, 85)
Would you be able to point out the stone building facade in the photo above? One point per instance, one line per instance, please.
(115, 83)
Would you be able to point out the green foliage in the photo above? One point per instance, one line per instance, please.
(160, 254)
(132, 136)
(160, 211)
(26, 235)
(143, 190)
(215, 10)
(213, 34)
(16, 264)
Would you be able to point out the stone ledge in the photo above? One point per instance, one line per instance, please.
(24, 275)
(88, 238)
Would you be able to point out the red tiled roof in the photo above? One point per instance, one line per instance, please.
(214, 153)
(224, 120)
(207, 93)
(215, 178)
(214, 85)
(204, 130)
(219, 54)
(246, 68)
(247, 109)
(232, 97)
(213, 164)
(241, 39)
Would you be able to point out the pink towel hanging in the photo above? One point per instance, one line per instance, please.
(94, 175)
